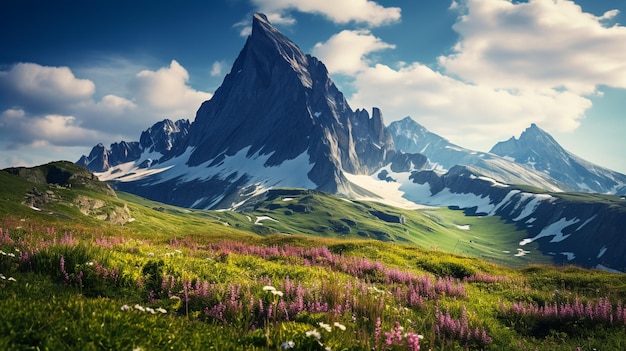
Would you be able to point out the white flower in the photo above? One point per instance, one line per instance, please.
(314, 333)
(148, 309)
(161, 309)
(11, 279)
(325, 326)
(11, 254)
(150, 254)
(3, 277)
(139, 308)
(3, 253)
(288, 345)
(269, 288)
(277, 292)
(340, 326)
(125, 308)
(178, 251)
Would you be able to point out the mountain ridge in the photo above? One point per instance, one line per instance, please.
(277, 109)
(539, 150)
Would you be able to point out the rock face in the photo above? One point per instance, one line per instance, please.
(163, 139)
(279, 102)
(538, 150)
(277, 120)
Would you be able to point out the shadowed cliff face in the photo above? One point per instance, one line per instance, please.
(282, 102)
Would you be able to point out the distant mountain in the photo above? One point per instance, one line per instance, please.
(411, 137)
(277, 120)
(158, 141)
(538, 150)
(576, 228)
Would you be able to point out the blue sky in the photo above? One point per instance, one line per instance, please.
(75, 73)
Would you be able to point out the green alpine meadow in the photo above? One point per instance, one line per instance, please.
(85, 268)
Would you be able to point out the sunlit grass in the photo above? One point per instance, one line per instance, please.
(203, 292)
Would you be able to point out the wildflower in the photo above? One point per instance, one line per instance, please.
(178, 251)
(150, 254)
(3, 253)
(11, 279)
(269, 288)
(288, 345)
(139, 308)
(314, 333)
(162, 310)
(413, 341)
(340, 326)
(277, 292)
(2, 277)
(11, 254)
(148, 309)
(325, 326)
(125, 308)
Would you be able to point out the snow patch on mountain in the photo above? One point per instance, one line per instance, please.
(531, 206)
(555, 230)
(390, 193)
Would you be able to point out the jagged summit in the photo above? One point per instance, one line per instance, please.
(265, 38)
(538, 150)
(410, 136)
(277, 120)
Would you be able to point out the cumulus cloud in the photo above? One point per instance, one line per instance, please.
(341, 12)
(51, 107)
(167, 91)
(42, 88)
(463, 112)
(515, 63)
(537, 45)
(346, 52)
(217, 69)
(19, 128)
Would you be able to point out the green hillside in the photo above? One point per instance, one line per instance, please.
(86, 269)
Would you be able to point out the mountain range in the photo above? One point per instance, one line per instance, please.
(279, 121)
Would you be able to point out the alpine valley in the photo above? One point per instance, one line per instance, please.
(279, 121)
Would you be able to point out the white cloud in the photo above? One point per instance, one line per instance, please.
(514, 64)
(346, 52)
(51, 108)
(342, 12)
(43, 87)
(217, 69)
(462, 112)
(537, 45)
(56, 130)
(166, 90)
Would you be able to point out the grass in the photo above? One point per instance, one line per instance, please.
(186, 279)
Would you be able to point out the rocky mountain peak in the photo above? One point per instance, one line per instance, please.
(538, 150)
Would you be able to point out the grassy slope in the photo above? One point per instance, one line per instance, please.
(201, 246)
